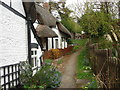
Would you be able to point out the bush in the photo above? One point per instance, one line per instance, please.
(75, 48)
(103, 43)
(69, 41)
(48, 61)
(55, 53)
(47, 77)
(59, 61)
(26, 72)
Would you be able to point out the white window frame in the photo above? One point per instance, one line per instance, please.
(34, 57)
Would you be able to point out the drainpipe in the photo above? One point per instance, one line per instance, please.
(29, 39)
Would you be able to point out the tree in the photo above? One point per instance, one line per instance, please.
(95, 23)
(66, 20)
(71, 25)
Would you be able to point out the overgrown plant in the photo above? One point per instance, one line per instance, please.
(84, 70)
(26, 73)
(47, 77)
(55, 53)
(60, 61)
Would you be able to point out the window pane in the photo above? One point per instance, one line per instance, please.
(32, 62)
(31, 52)
(35, 52)
(35, 61)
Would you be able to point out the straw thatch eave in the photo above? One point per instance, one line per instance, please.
(63, 29)
(30, 10)
(45, 17)
(45, 31)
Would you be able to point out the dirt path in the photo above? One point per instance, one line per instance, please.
(68, 80)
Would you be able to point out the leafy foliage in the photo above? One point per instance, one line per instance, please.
(55, 53)
(59, 61)
(95, 24)
(64, 13)
(26, 72)
(84, 70)
(47, 77)
(71, 25)
(83, 66)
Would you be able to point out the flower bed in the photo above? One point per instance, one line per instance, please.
(57, 53)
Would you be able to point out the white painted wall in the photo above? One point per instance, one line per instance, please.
(49, 43)
(13, 36)
(39, 51)
(61, 44)
(59, 38)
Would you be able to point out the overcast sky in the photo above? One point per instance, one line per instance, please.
(73, 1)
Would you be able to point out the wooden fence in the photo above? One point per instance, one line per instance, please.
(106, 66)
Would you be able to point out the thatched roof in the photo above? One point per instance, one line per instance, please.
(45, 31)
(30, 10)
(63, 29)
(45, 17)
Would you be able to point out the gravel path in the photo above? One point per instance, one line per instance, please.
(68, 80)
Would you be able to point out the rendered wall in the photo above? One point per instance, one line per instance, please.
(13, 35)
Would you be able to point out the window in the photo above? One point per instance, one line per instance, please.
(34, 57)
(56, 42)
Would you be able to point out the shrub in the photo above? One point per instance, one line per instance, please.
(26, 72)
(47, 77)
(103, 43)
(69, 41)
(55, 53)
(48, 61)
(75, 48)
(59, 61)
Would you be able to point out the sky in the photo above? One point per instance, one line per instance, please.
(68, 2)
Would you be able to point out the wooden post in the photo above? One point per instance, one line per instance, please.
(29, 41)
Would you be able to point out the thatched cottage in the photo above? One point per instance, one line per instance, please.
(26, 31)
(46, 18)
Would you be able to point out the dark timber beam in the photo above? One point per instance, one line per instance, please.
(12, 10)
(29, 40)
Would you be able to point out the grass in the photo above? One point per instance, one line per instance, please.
(84, 70)
(83, 65)
(48, 61)
(78, 43)
(59, 61)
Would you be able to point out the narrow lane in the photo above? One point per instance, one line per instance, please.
(68, 80)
